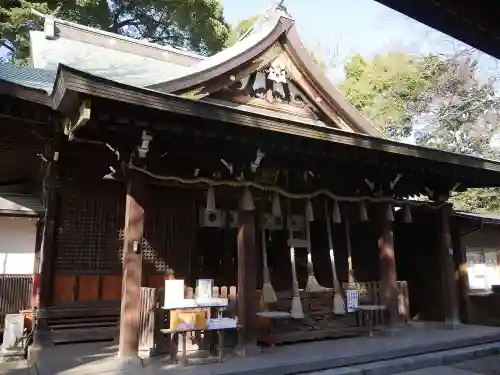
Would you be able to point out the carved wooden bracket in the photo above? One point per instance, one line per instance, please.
(72, 124)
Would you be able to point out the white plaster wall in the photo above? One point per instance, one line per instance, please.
(17, 245)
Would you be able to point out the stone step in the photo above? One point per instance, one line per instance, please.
(416, 362)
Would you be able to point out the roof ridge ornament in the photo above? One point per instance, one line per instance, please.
(278, 6)
(49, 26)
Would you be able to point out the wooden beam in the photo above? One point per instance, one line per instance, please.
(449, 284)
(132, 266)
(247, 283)
(387, 259)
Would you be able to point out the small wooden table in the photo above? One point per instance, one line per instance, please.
(369, 312)
(218, 325)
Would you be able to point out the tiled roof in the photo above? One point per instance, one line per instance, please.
(40, 79)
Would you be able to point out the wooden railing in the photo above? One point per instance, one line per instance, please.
(15, 294)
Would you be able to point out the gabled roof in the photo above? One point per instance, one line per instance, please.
(275, 29)
(106, 54)
(170, 70)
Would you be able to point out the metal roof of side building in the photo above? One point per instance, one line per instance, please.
(39, 79)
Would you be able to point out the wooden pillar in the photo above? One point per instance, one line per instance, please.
(35, 297)
(247, 283)
(46, 270)
(132, 266)
(387, 259)
(448, 280)
(461, 272)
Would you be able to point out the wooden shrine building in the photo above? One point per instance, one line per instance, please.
(149, 159)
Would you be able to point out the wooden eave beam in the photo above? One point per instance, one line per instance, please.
(473, 23)
(100, 87)
(25, 93)
(71, 82)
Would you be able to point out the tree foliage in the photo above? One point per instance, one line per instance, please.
(435, 101)
(196, 25)
(241, 28)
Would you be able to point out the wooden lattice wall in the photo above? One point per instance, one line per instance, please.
(90, 238)
(89, 231)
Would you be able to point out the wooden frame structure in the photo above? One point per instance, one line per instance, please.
(123, 172)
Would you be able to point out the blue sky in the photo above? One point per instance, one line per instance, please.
(355, 26)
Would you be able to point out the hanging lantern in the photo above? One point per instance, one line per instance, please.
(247, 201)
(276, 206)
(210, 199)
(363, 214)
(389, 216)
(407, 218)
(337, 218)
(309, 211)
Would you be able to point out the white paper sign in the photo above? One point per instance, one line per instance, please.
(352, 300)
(174, 291)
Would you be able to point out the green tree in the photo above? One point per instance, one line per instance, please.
(437, 100)
(196, 25)
(241, 28)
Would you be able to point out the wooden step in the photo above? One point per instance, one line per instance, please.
(78, 313)
(78, 325)
(84, 335)
(93, 319)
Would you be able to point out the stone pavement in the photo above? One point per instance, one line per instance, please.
(91, 359)
(15, 368)
(441, 370)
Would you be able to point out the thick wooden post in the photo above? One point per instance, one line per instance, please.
(461, 273)
(449, 284)
(247, 283)
(132, 266)
(47, 253)
(43, 279)
(35, 297)
(387, 259)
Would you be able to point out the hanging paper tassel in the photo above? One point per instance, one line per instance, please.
(268, 293)
(363, 214)
(389, 216)
(309, 211)
(407, 218)
(297, 311)
(336, 217)
(312, 285)
(276, 206)
(247, 201)
(338, 300)
(210, 199)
